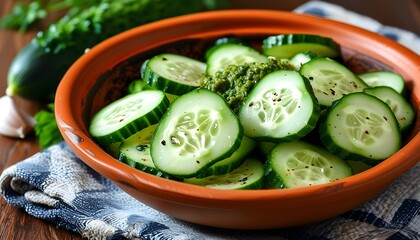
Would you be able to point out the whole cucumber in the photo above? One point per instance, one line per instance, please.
(37, 70)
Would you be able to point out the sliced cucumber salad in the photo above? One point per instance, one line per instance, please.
(307, 121)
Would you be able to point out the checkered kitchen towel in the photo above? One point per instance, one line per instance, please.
(55, 185)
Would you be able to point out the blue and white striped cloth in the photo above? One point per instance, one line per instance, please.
(56, 186)
(338, 13)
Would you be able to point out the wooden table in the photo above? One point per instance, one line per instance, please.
(15, 223)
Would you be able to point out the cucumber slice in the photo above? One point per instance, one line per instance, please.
(358, 166)
(135, 150)
(140, 85)
(112, 149)
(198, 130)
(249, 175)
(224, 40)
(300, 164)
(360, 126)
(266, 147)
(229, 164)
(232, 54)
(172, 73)
(280, 107)
(288, 45)
(398, 104)
(125, 116)
(235, 40)
(301, 58)
(143, 68)
(330, 80)
(384, 78)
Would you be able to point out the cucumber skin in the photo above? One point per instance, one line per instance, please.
(271, 179)
(155, 80)
(289, 39)
(37, 70)
(154, 171)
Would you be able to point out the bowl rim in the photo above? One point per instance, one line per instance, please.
(73, 134)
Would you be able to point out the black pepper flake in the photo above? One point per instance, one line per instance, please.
(141, 147)
(163, 142)
(244, 179)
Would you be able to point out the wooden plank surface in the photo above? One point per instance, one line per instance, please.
(15, 223)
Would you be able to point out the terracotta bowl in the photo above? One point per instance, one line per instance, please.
(101, 75)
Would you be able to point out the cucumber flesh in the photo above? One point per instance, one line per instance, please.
(300, 164)
(232, 54)
(361, 126)
(280, 107)
(224, 40)
(288, 45)
(198, 130)
(398, 104)
(135, 152)
(330, 80)
(301, 58)
(384, 78)
(125, 116)
(249, 175)
(112, 149)
(175, 74)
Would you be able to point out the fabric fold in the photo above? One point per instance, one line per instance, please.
(56, 186)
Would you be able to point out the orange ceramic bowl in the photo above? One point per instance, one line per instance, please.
(99, 76)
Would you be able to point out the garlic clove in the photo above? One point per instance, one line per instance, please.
(14, 122)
